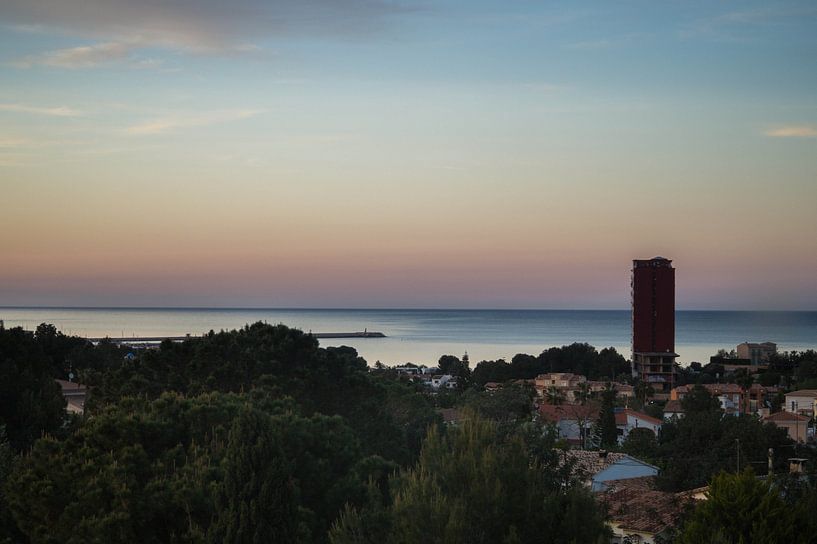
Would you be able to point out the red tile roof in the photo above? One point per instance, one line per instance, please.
(556, 413)
(621, 417)
(634, 504)
(785, 416)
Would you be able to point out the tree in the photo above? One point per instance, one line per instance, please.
(641, 443)
(704, 442)
(470, 485)
(511, 403)
(492, 371)
(583, 393)
(31, 403)
(606, 431)
(258, 503)
(554, 395)
(740, 509)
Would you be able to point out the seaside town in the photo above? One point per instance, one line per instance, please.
(649, 451)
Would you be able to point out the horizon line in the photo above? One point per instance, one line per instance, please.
(372, 309)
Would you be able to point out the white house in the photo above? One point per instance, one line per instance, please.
(627, 420)
(801, 402)
(443, 381)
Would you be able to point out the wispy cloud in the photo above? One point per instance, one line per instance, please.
(793, 131)
(168, 124)
(195, 25)
(86, 56)
(738, 26)
(60, 111)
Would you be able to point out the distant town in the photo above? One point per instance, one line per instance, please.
(645, 442)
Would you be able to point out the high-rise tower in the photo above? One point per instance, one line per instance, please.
(653, 300)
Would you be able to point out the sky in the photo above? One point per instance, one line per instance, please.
(373, 153)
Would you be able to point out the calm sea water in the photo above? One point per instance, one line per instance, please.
(421, 336)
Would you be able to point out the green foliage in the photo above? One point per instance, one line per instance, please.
(471, 486)
(257, 503)
(31, 402)
(741, 509)
(511, 403)
(768, 379)
(492, 371)
(606, 431)
(577, 358)
(705, 441)
(155, 471)
(642, 444)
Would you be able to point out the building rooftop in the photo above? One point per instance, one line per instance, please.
(803, 393)
(785, 416)
(589, 463)
(673, 407)
(556, 413)
(621, 417)
(634, 504)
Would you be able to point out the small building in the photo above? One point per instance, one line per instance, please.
(756, 353)
(74, 395)
(443, 381)
(730, 395)
(796, 425)
(599, 468)
(573, 422)
(801, 402)
(565, 382)
(673, 409)
(623, 390)
(627, 420)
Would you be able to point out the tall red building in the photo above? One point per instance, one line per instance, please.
(653, 300)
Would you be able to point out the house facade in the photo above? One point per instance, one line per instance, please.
(627, 420)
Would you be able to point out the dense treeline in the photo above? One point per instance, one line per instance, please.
(583, 359)
(258, 435)
(477, 483)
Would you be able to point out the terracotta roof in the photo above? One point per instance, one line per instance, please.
(674, 407)
(556, 413)
(590, 463)
(636, 505)
(785, 416)
(803, 393)
(621, 417)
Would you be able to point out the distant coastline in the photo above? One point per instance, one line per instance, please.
(422, 336)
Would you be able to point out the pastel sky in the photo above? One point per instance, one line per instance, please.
(373, 153)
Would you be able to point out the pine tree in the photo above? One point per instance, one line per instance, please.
(258, 505)
(606, 431)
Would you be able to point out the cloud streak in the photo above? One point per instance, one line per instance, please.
(86, 56)
(195, 25)
(170, 124)
(792, 131)
(60, 111)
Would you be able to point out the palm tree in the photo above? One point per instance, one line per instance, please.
(554, 396)
(583, 393)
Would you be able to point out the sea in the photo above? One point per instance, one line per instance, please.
(422, 336)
